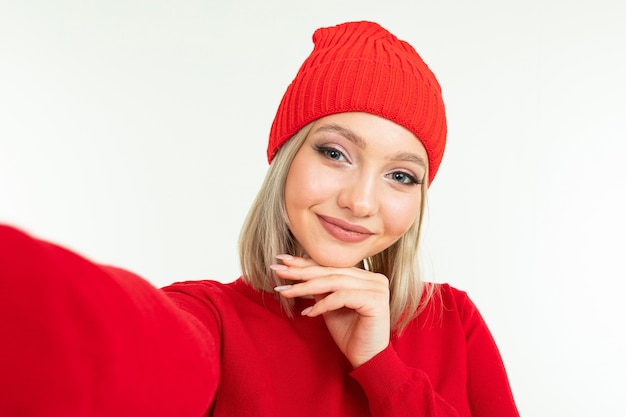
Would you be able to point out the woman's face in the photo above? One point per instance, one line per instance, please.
(354, 187)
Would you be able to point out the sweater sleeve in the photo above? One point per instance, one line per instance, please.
(396, 390)
(81, 339)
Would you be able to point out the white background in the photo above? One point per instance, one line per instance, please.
(134, 132)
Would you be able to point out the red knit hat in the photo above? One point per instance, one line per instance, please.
(361, 67)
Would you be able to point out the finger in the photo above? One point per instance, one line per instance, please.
(330, 284)
(292, 260)
(304, 271)
(365, 303)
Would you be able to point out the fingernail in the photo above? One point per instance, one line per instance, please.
(279, 267)
(284, 257)
(282, 288)
(306, 311)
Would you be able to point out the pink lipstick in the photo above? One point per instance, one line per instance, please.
(344, 231)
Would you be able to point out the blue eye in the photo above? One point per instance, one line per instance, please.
(404, 178)
(330, 153)
(333, 154)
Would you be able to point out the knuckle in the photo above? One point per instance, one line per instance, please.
(381, 278)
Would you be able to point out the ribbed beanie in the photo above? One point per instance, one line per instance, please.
(361, 67)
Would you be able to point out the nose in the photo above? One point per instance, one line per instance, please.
(359, 195)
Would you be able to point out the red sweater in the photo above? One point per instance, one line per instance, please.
(81, 339)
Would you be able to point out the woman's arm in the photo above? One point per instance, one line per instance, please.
(84, 339)
(396, 389)
(355, 306)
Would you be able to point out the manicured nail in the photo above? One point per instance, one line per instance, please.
(306, 311)
(279, 267)
(284, 257)
(282, 288)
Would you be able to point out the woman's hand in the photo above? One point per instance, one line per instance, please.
(354, 303)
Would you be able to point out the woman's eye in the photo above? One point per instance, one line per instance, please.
(331, 153)
(404, 178)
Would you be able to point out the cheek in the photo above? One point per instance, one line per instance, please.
(296, 190)
(400, 215)
(308, 185)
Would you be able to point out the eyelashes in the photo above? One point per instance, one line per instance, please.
(334, 154)
(404, 178)
(331, 153)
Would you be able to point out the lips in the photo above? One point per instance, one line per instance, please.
(344, 231)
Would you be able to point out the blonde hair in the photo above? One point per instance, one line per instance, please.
(265, 233)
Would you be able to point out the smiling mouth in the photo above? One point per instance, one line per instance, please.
(344, 231)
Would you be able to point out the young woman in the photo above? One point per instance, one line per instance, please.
(329, 317)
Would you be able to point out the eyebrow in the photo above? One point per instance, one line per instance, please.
(346, 133)
(358, 141)
(409, 157)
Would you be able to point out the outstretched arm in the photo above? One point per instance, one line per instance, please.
(85, 339)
